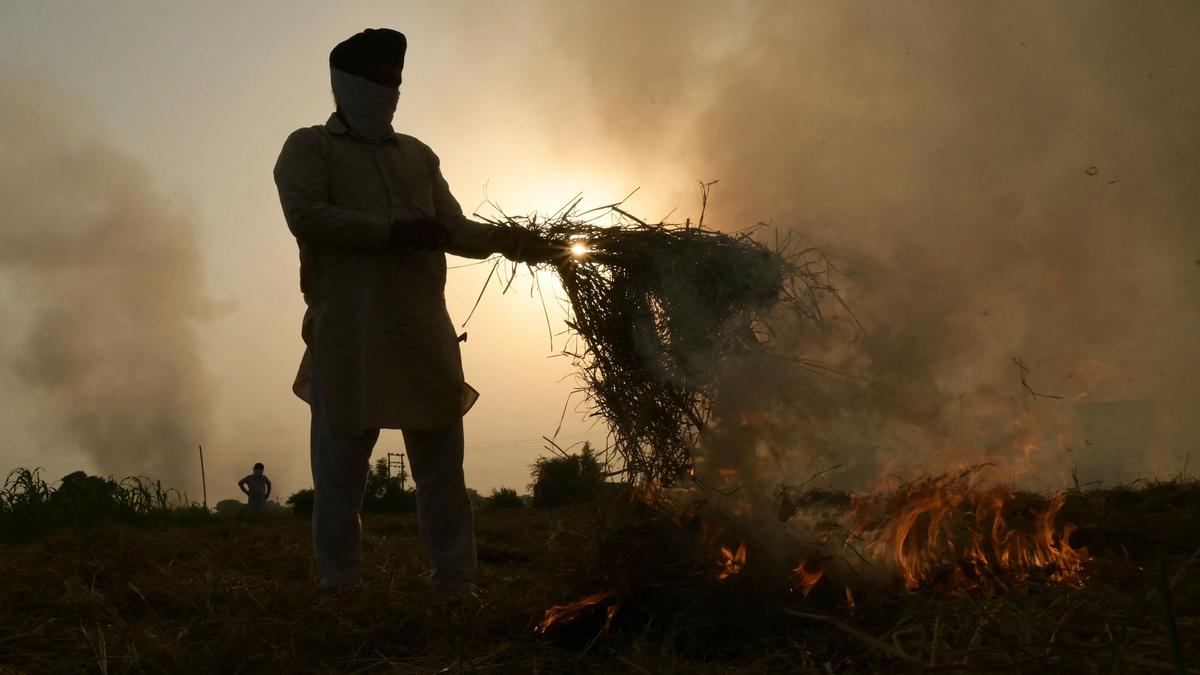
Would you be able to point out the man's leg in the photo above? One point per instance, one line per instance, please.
(443, 507)
(339, 468)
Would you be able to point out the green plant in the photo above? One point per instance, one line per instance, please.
(24, 492)
(143, 495)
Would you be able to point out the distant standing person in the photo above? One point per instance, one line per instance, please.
(257, 487)
(374, 218)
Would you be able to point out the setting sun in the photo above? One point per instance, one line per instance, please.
(672, 336)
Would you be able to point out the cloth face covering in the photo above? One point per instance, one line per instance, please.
(368, 107)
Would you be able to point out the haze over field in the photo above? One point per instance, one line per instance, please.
(996, 182)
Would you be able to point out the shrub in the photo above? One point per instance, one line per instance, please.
(29, 505)
(566, 479)
(505, 498)
(25, 494)
(301, 502)
(384, 494)
(387, 493)
(478, 501)
(80, 495)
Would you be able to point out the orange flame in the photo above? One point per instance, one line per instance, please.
(732, 563)
(559, 614)
(805, 578)
(944, 530)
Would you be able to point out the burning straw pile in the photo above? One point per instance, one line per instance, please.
(953, 571)
(658, 308)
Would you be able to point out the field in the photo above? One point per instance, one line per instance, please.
(187, 593)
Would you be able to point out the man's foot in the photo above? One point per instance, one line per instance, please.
(332, 586)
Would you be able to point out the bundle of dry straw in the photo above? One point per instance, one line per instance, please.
(656, 309)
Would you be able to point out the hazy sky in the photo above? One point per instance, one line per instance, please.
(203, 94)
(943, 149)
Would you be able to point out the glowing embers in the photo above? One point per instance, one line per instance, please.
(684, 548)
(563, 614)
(731, 563)
(806, 575)
(945, 532)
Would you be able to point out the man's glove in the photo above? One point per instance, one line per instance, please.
(526, 246)
(423, 234)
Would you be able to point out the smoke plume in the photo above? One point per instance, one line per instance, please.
(1010, 191)
(103, 290)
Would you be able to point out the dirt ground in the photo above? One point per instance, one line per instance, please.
(228, 594)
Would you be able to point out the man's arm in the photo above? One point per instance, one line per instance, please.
(268, 482)
(468, 238)
(302, 178)
(244, 486)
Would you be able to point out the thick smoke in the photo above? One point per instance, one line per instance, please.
(103, 289)
(1010, 189)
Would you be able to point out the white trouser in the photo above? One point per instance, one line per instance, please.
(340, 465)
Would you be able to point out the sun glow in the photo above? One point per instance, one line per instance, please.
(579, 248)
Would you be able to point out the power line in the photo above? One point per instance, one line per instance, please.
(403, 473)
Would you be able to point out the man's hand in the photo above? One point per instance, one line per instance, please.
(526, 246)
(424, 234)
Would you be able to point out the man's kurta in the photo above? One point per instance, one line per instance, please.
(376, 328)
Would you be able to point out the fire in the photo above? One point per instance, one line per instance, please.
(944, 531)
(731, 563)
(947, 533)
(806, 578)
(560, 614)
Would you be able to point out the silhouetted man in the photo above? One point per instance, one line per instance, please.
(373, 217)
(257, 487)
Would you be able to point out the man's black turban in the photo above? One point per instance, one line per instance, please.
(368, 48)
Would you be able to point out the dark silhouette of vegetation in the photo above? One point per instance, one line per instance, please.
(387, 493)
(478, 501)
(566, 479)
(505, 498)
(29, 505)
(301, 502)
(236, 507)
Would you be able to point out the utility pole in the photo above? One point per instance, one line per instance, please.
(403, 473)
(203, 480)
